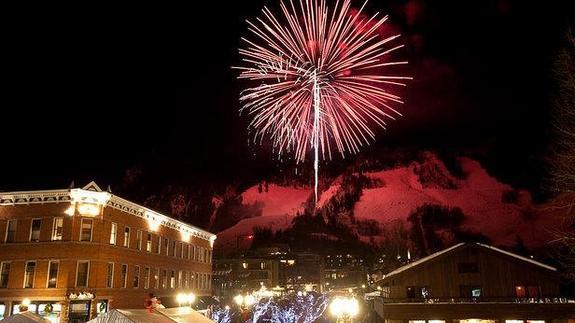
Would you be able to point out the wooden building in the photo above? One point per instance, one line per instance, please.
(472, 282)
(73, 253)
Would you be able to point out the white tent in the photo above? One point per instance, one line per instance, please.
(184, 314)
(168, 315)
(25, 317)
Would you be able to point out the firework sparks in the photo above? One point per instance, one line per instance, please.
(320, 83)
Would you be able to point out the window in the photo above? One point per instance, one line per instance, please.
(467, 267)
(57, 229)
(534, 291)
(159, 246)
(53, 274)
(149, 243)
(124, 276)
(35, 230)
(173, 279)
(173, 248)
(136, 279)
(476, 292)
(262, 265)
(139, 239)
(11, 230)
(164, 279)
(86, 231)
(182, 250)
(180, 279)
(110, 275)
(187, 279)
(411, 292)
(147, 277)
(470, 291)
(82, 272)
(385, 291)
(114, 233)
(520, 291)
(166, 246)
(29, 272)
(4, 274)
(157, 278)
(127, 237)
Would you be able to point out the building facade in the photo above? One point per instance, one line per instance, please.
(280, 270)
(73, 253)
(472, 282)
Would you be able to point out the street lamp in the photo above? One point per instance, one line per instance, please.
(344, 309)
(244, 302)
(188, 299)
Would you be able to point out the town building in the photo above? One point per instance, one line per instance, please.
(343, 271)
(473, 282)
(274, 268)
(74, 253)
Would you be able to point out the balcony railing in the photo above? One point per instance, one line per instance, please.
(467, 300)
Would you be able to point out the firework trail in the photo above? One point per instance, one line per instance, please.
(320, 82)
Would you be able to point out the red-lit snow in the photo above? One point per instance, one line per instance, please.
(478, 195)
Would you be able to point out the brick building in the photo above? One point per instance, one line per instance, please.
(76, 252)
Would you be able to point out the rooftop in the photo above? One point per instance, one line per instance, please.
(93, 194)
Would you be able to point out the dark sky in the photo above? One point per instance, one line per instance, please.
(89, 92)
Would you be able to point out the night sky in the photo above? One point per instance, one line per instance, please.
(90, 92)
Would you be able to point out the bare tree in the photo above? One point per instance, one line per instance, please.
(563, 164)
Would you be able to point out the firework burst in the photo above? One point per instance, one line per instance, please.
(321, 83)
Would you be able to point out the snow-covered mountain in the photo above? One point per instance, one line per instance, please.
(379, 198)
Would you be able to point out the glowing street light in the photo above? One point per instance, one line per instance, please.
(344, 309)
(186, 299)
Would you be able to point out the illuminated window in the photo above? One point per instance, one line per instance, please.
(245, 265)
(35, 230)
(113, 233)
(173, 279)
(124, 276)
(146, 277)
(534, 291)
(29, 272)
(149, 243)
(476, 292)
(159, 246)
(86, 230)
(110, 275)
(157, 278)
(4, 274)
(182, 253)
(11, 230)
(139, 239)
(53, 274)
(520, 291)
(470, 291)
(127, 237)
(136, 279)
(82, 272)
(180, 279)
(164, 279)
(57, 229)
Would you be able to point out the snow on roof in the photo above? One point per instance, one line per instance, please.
(442, 252)
(537, 263)
(422, 260)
